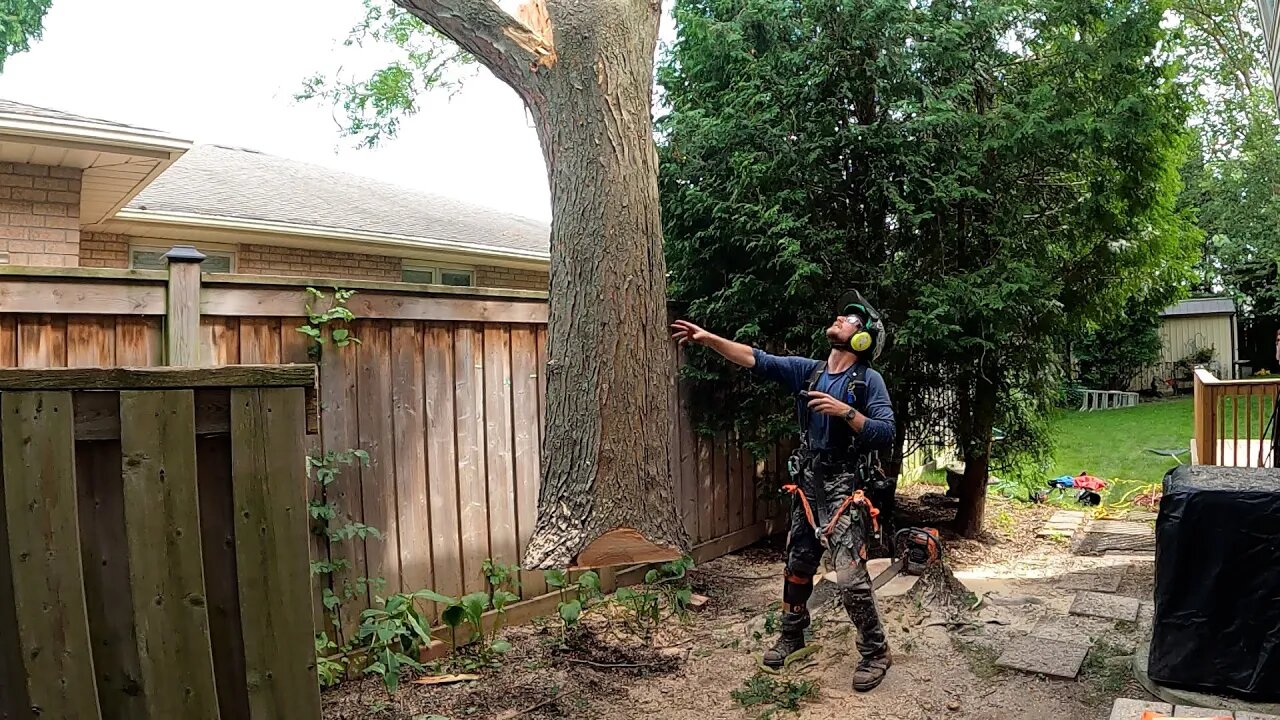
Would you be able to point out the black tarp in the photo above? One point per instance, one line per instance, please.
(1217, 598)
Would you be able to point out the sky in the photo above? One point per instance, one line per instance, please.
(226, 73)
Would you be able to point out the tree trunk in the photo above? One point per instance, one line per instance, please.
(585, 71)
(977, 458)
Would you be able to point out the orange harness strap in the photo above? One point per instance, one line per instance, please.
(857, 498)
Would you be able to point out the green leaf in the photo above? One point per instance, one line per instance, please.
(341, 334)
(433, 596)
(651, 577)
(453, 616)
(570, 612)
(555, 579)
(502, 598)
(589, 581)
(502, 647)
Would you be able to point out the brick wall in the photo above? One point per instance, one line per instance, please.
(108, 250)
(104, 250)
(502, 277)
(272, 260)
(40, 214)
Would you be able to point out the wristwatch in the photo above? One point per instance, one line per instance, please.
(848, 416)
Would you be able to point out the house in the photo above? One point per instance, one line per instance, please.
(1269, 14)
(82, 192)
(1197, 331)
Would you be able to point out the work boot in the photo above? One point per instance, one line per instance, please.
(787, 644)
(871, 671)
(790, 639)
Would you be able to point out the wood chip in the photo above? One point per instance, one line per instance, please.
(445, 679)
(698, 603)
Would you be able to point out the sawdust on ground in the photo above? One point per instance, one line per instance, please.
(937, 671)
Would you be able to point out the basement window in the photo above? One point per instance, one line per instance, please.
(153, 259)
(426, 274)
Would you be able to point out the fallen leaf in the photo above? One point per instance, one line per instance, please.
(444, 679)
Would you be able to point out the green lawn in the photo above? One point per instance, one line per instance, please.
(1112, 444)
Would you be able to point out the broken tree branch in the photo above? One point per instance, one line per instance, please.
(510, 49)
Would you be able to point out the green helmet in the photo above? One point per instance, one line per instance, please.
(853, 304)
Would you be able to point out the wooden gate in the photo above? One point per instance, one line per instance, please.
(153, 544)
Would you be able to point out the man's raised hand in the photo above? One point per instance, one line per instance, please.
(684, 331)
(821, 402)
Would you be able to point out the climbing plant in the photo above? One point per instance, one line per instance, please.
(328, 311)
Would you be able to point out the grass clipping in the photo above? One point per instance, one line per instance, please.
(942, 596)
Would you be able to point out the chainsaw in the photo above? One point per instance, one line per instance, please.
(914, 550)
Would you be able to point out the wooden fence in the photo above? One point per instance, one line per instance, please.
(153, 545)
(1232, 422)
(444, 391)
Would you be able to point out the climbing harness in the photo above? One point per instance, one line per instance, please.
(824, 534)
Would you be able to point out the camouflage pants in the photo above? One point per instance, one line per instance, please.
(826, 490)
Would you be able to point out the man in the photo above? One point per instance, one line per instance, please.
(845, 417)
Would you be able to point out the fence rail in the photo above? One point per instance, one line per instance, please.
(445, 391)
(1234, 423)
(153, 544)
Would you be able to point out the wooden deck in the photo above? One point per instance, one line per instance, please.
(1239, 453)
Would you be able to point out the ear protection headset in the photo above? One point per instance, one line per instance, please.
(861, 340)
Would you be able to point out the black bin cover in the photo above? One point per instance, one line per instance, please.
(1217, 596)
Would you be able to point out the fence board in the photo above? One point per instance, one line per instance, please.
(706, 488)
(498, 441)
(734, 479)
(269, 487)
(105, 558)
(688, 450)
(44, 549)
(410, 432)
(42, 341)
(468, 352)
(293, 344)
(338, 388)
(8, 341)
(542, 383)
(14, 703)
(259, 341)
(442, 469)
(91, 341)
(220, 341)
(720, 485)
(139, 342)
(162, 523)
(217, 532)
(378, 478)
(748, 487)
(526, 421)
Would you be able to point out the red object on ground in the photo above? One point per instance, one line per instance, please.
(1088, 482)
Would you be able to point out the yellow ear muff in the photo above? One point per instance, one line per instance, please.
(861, 341)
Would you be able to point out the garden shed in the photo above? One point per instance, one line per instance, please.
(1197, 331)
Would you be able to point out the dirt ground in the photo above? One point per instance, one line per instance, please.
(938, 671)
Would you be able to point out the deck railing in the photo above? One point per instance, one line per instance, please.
(1233, 423)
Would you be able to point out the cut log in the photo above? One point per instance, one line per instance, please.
(623, 546)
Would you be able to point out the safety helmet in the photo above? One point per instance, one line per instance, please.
(869, 336)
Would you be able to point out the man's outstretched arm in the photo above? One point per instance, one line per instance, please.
(684, 331)
(790, 371)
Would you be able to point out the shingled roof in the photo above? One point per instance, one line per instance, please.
(222, 182)
(9, 107)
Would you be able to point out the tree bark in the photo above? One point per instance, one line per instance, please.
(607, 496)
(977, 458)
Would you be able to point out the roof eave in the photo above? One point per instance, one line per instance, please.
(125, 141)
(328, 233)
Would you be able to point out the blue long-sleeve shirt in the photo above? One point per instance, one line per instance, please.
(827, 432)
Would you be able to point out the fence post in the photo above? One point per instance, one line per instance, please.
(1205, 419)
(182, 310)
